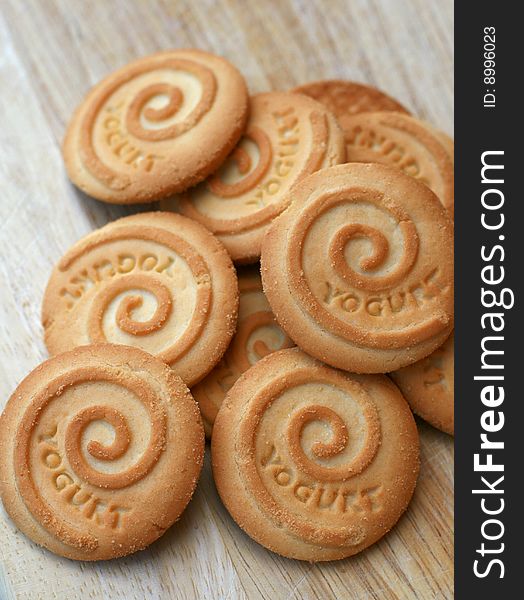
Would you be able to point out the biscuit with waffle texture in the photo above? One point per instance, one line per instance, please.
(345, 98)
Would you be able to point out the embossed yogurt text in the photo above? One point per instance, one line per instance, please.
(364, 137)
(121, 145)
(92, 508)
(323, 496)
(287, 125)
(124, 263)
(384, 305)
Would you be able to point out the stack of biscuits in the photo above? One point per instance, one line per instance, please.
(289, 296)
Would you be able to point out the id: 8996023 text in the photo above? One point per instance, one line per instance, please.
(489, 67)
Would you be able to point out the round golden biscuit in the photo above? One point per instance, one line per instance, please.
(155, 280)
(428, 386)
(404, 142)
(345, 98)
(359, 269)
(156, 126)
(257, 335)
(313, 463)
(102, 448)
(287, 137)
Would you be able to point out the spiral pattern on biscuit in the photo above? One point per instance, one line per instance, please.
(370, 247)
(262, 184)
(364, 278)
(325, 450)
(140, 117)
(319, 449)
(137, 302)
(252, 174)
(76, 467)
(124, 313)
(249, 337)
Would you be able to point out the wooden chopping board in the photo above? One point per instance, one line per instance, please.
(52, 51)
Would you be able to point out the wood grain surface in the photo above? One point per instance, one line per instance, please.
(51, 53)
